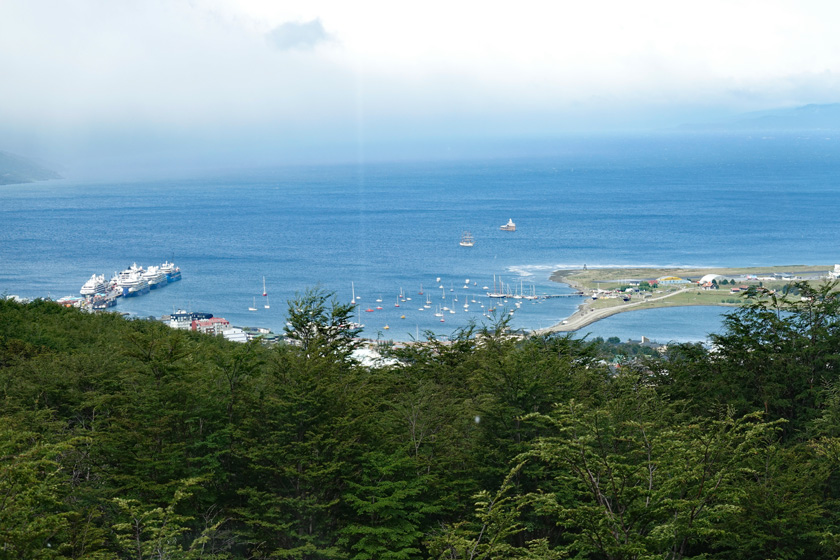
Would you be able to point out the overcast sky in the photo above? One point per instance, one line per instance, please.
(258, 81)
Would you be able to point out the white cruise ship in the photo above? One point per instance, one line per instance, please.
(131, 281)
(155, 277)
(96, 285)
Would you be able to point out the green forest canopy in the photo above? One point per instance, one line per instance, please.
(126, 439)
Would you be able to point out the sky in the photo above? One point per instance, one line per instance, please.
(254, 82)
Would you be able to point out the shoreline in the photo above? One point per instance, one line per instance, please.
(596, 282)
(585, 315)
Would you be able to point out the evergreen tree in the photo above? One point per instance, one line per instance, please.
(320, 325)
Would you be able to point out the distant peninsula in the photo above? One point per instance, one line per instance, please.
(803, 119)
(16, 169)
(609, 291)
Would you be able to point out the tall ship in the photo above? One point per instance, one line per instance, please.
(499, 292)
(96, 285)
(509, 226)
(172, 272)
(467, 240)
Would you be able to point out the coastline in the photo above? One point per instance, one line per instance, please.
(596, 282)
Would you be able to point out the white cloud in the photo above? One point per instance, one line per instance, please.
(326, 72)
(295, 35)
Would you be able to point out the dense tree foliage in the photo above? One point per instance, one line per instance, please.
(125, 439)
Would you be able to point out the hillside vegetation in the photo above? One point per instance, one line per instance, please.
(126, 439)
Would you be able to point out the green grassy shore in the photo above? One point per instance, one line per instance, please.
(590, 281)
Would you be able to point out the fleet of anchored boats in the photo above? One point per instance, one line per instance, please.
(501, 293)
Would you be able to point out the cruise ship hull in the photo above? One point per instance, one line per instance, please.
(136, 290)
(157, 281)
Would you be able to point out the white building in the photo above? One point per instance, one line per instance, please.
(235, 334)
(181, 320)
(214, 325)
(709, 277)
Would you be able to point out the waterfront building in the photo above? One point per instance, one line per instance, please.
(235, 334)
(214, 325)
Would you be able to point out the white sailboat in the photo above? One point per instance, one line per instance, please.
(357, 324)
(267, 305)
(254, 306)
(518, 295)
(353, 290)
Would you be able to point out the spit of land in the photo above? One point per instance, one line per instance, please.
(609, 291)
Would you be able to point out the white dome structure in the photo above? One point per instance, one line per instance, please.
(710, 277)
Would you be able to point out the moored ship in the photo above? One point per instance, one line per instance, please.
(172, 272)
(467, 240)
(96, 285)
(155, 277)
(134, 286)
(100, 302)
(131, 282)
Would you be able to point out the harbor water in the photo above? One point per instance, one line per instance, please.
(379, 229)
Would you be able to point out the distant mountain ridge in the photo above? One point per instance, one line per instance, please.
(812, 117)
(16, 169)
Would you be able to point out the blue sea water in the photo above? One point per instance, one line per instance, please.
(386, 227)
